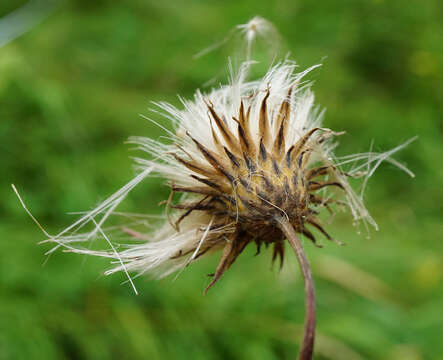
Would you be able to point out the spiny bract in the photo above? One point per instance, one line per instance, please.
(243, 157)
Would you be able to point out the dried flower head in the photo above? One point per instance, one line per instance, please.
(244, 158)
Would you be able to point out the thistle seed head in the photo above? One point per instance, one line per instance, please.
(243, 157)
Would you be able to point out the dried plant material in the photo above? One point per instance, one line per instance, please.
(259, 27)
(255, 29)
(246, 155)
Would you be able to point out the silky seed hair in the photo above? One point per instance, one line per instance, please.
(238, 160)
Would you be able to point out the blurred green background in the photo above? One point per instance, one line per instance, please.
(71, 91)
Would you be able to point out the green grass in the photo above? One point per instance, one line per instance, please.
(71, 91)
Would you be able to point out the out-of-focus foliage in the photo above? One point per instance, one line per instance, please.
(71, 91)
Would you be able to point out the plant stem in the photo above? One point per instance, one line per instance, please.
(307, 345)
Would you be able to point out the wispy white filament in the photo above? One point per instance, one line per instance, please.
(116, 254)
